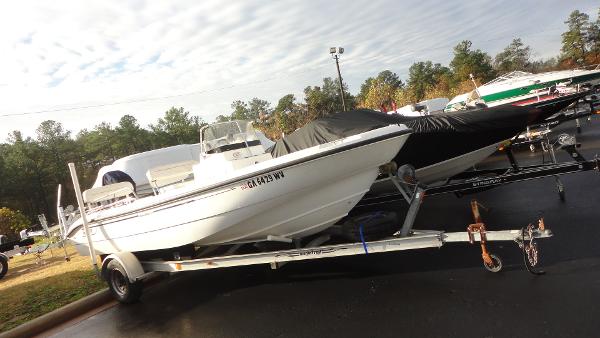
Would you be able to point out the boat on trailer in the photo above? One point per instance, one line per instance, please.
(126, 271)
(523, 88)
(236, 193)
(441, 145)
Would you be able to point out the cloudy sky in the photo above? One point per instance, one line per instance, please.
(82, 62)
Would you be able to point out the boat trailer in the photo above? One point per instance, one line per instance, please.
(125, 272)
(482, 179)
(416, 239)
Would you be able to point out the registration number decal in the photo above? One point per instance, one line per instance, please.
(263, 179)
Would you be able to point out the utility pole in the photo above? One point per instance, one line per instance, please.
(336, 55)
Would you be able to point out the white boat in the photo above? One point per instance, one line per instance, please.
(523, 88)
(237, 193)
(448, 168)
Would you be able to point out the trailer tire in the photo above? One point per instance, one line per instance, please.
(3, 266)
(118, 282)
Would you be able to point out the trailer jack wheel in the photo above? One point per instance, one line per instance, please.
(124, 290)
(493, 263)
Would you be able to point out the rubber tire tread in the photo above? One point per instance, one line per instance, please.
(134, 289)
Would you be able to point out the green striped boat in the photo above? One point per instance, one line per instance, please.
(519, 86)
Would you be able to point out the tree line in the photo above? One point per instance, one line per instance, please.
(32, 167)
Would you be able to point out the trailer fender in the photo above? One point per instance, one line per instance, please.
(130, 263)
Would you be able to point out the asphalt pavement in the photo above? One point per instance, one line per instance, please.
(424, 293)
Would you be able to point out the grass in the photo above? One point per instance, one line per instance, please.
(32, 288)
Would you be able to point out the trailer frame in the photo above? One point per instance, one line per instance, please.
(125, 273)
(418, 239)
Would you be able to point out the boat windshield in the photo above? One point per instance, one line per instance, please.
(508, 76)
(226, 136)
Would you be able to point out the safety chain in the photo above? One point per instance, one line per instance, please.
(531, 249)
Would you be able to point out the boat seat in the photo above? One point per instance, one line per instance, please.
(108, 192)
(169, 174)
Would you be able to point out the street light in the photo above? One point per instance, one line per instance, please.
(335, 53)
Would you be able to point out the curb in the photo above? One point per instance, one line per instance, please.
(59, 316)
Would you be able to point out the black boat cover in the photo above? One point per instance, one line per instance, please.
(435, 138)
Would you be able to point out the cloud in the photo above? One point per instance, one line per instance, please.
(80, 53)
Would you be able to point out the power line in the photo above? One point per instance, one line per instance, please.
(100, 105)
(147, 99)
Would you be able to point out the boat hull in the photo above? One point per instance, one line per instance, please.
(291, 202)
(440, 171)
(454, 166)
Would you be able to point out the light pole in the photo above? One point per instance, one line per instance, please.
(336, 55)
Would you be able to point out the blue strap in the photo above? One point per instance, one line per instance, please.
(360, 230)
(362, 239)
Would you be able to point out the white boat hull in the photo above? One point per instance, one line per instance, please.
(454, 166)
(291, 202)
(442, 170)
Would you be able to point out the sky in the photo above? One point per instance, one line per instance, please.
(83, 62)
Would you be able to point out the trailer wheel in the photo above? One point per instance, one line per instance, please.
(122, 289)
(496, 266)
(3, 266)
